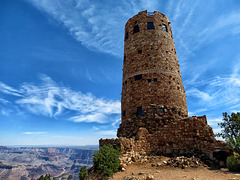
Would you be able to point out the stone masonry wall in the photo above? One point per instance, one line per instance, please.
(188, 136)
(151, 73)
(152, 121)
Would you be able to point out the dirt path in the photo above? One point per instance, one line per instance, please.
(141, 171)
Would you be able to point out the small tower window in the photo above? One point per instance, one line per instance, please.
(124, 113)
(161, 109)
(164, 27)
(139, 51)
(124, 58)
(150, 25)
(149, 80)
(135, 29)
(155, 80)
(126, 36)
(154, 110)
(139, 110)
(138, 77)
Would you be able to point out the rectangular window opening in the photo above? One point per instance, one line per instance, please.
(154, 110)
(127, 36)
(135, 29)
(161, 109)
(164, 27)
(124, 113)
(140, 51)
(138, 77)
(139, 110)
(150, 25)
(149, 80)
(155, 80)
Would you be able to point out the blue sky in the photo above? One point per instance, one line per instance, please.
(61, 65)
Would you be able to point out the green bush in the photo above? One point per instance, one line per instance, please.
(106, 160)
(46, 177)
(83, 173)
(233, 163)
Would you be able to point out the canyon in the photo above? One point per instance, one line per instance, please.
(25, 163)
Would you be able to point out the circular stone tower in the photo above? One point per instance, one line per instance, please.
(152, 84)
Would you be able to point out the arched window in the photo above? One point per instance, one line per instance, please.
(135, 29)
(164, 27)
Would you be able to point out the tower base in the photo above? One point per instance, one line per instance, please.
(190, 136)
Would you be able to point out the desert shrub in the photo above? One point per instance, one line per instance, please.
(83, 173)
(233, 163)
(106, 160)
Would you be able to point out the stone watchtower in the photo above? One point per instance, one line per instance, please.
(154, 110)
(151, 73)
(152, 88)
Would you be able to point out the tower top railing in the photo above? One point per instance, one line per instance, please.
(150, 13)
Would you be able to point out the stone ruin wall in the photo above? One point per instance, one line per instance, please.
(189, 136)
(151, 54)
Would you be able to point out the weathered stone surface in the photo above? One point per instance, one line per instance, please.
(151, 54)
(154, 108)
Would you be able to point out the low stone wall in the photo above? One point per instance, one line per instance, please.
(189, 136)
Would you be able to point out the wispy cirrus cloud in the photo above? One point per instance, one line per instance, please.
(8, 90)
(108, 132)
(96, 26)
(53, 100)
(4, 101)
(34, 133)
(217, 92)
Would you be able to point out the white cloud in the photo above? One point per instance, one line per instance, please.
(95, 25)
(108, 133)
(199, 94)
(52, 99)
(4, 101)
(217, 130)
(97, 117)
(5, 111)
(9, 90)
(214, 121)
(35, 133)
(116, 122)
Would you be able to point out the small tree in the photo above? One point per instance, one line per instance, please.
(83, 173)
(231, 130)
(107, 160)
(46, 177)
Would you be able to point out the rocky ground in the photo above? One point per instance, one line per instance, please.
(180, 168)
